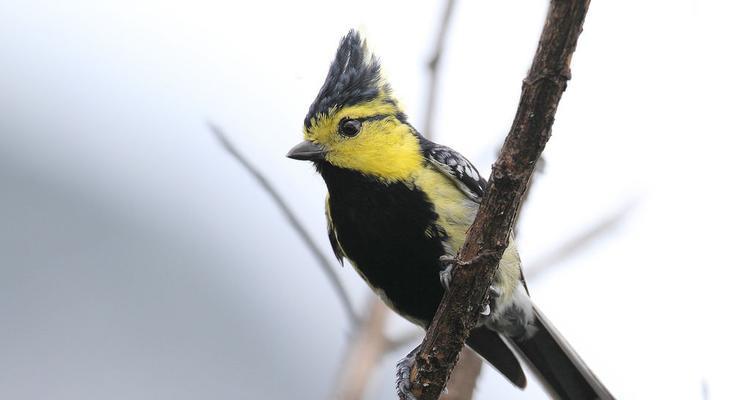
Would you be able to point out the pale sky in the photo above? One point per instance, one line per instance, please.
(137, 260)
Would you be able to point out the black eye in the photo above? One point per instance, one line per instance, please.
(349, 127)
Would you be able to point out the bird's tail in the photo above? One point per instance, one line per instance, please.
(488, 344)
(556, 364)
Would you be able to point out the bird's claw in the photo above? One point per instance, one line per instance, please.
(446, 270)
(446, 275)
(487, 310)
(403, 376)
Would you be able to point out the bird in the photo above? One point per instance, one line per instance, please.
(398, 209)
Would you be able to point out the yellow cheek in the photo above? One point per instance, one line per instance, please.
(384, 149)
(325, 127)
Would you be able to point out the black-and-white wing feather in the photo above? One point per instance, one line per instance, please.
(458, 168)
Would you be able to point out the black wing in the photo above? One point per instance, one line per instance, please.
(335, 245)
(457, 167)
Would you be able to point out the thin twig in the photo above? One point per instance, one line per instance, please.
(574, 245)
(464, 378)
(327, 267)
(488, 236)
(365, 351)
(433, 67)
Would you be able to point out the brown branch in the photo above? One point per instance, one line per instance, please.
(327, 267)
(434, 67)
(463, 380)
(368, 346)
(364, 353)
(488, 236)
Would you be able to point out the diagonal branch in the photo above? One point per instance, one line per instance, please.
(577, 243)
(488, 236)
(327, 267)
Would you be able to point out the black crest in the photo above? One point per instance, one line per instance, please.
(354, 77)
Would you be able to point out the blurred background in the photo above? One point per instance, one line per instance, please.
(139, 260)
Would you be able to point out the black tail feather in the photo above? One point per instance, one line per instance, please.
(492, 348)
(557, 365)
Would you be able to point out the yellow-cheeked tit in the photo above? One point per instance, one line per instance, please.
(398, 209)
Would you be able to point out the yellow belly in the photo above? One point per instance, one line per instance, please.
(455, 213)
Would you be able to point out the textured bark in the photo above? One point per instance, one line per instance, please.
(488, 236)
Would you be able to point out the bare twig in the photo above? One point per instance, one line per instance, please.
(488, 236)
(434, 67)
(574, 245)
(364, 353)
(367, 347)
(464, 378)
(327, 267)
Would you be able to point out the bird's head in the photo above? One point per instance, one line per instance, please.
(355, 123)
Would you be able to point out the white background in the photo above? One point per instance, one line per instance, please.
(138, 261)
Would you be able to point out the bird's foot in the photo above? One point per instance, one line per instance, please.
(490, 306)
(446, 275)
(403, 375)
(446, 270)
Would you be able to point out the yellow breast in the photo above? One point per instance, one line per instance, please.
(455, 211)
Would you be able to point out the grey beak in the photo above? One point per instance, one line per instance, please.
(306, 151)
